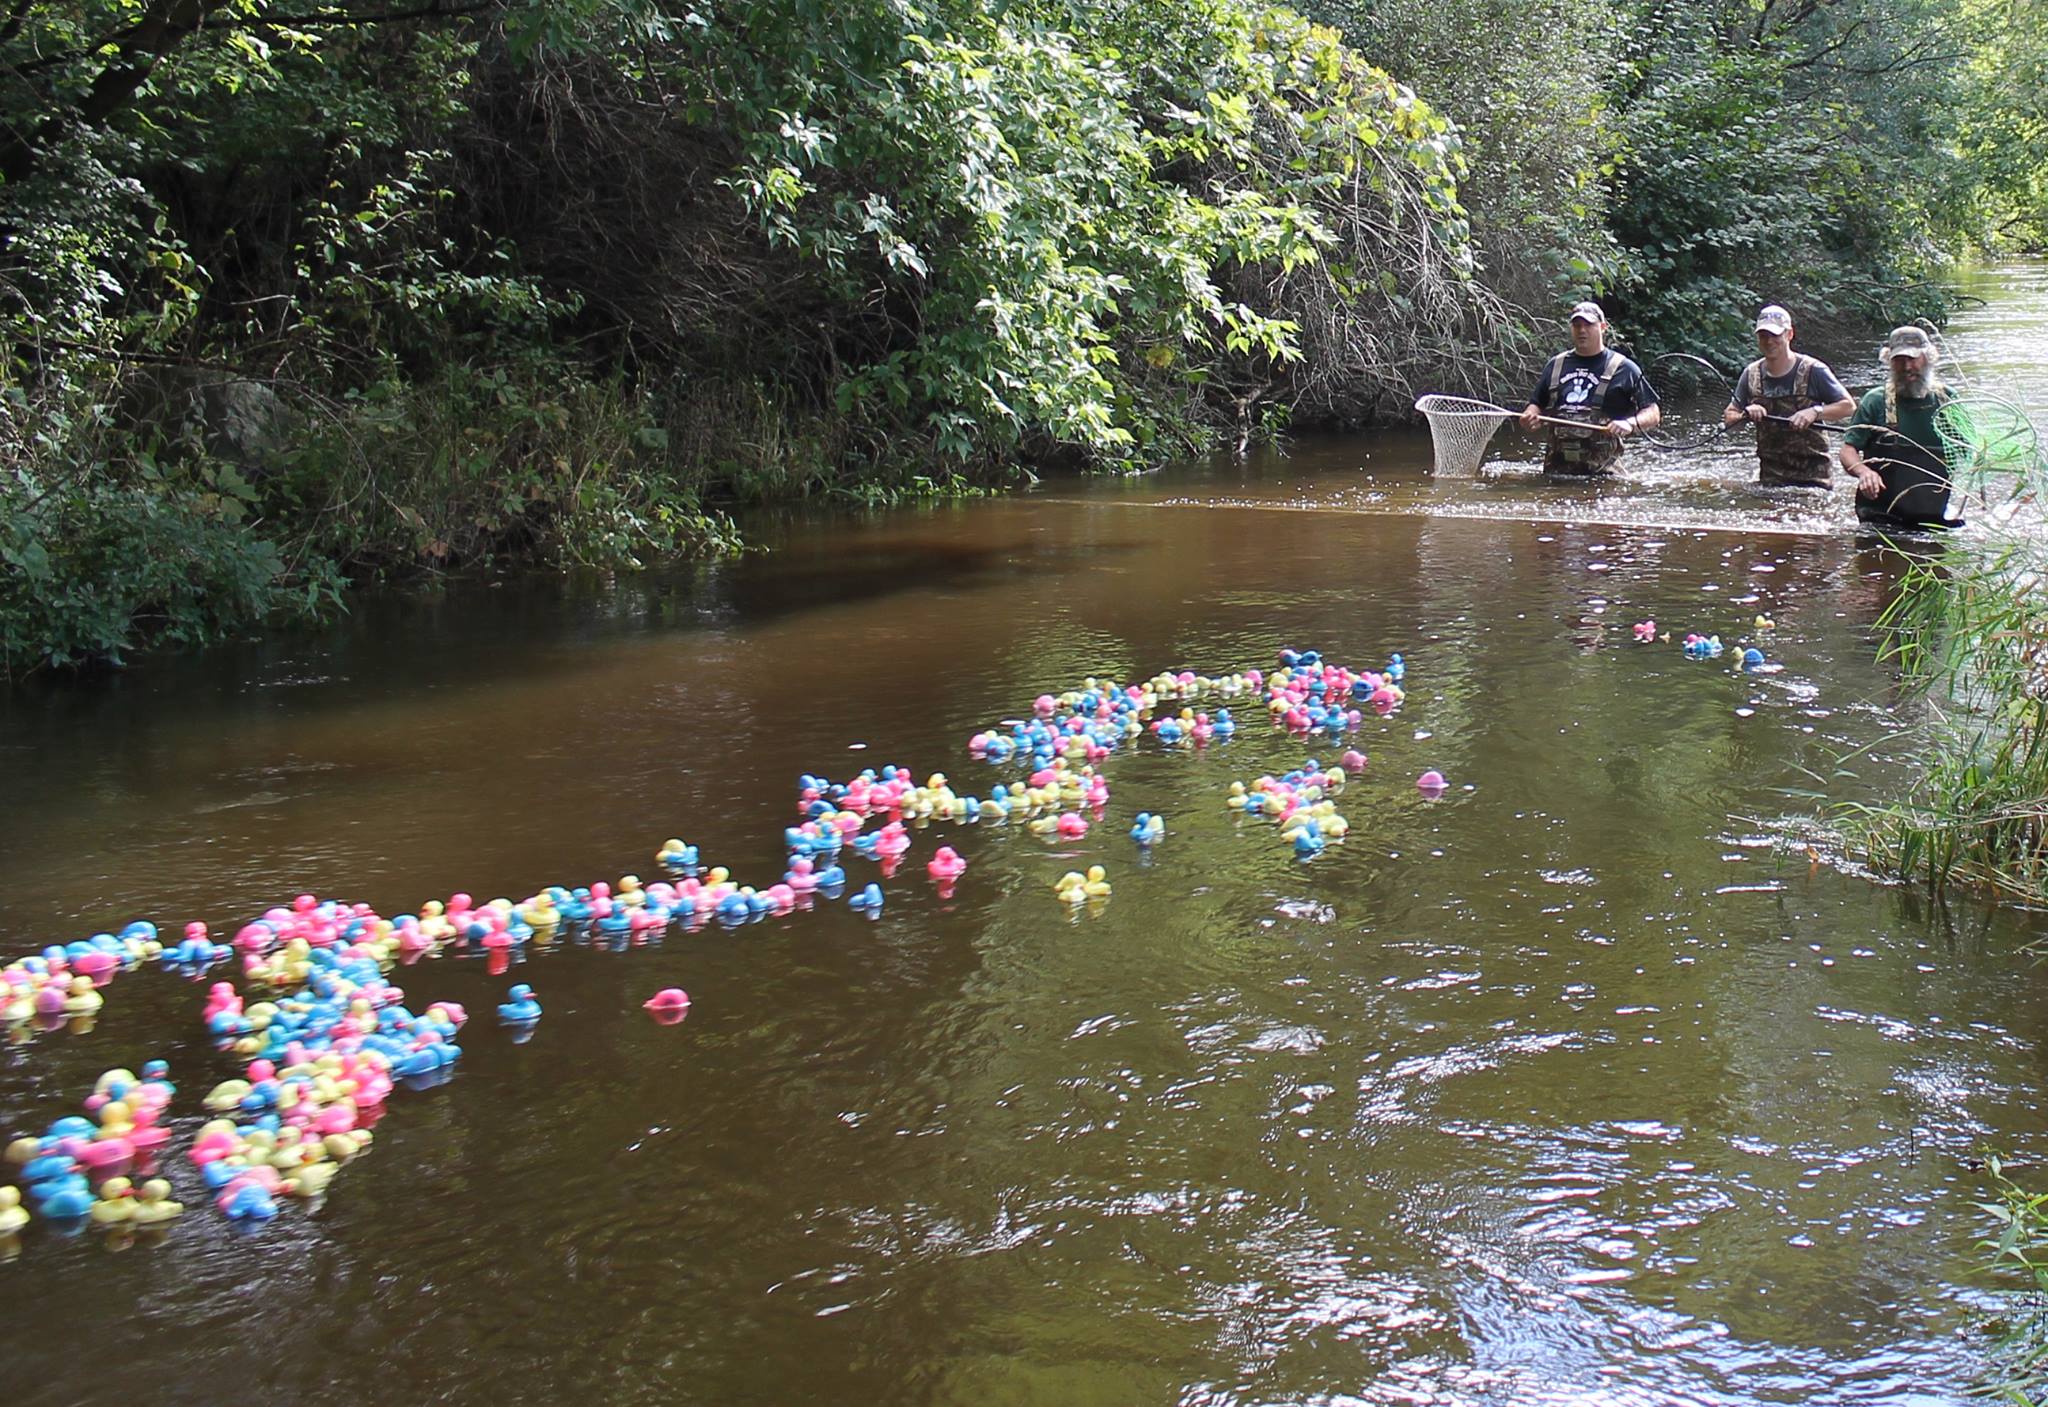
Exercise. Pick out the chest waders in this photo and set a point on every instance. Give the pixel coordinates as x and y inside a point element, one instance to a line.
<point>1915,476</point>
<point>1786,456</point>
<point>1588,451</point>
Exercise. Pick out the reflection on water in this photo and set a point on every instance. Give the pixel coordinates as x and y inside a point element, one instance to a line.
<point>1571,1086</point>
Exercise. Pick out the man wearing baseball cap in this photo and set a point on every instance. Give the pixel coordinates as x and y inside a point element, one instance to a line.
<point>1598,388</point>
<point>1894,448</point>
<point>1785,394</point>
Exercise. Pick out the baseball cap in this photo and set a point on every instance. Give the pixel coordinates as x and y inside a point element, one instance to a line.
<point>1588,312</point>
<point>1774,319</point>
<point>1908,341</point>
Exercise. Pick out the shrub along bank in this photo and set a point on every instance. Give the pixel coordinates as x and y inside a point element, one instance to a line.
<point>295,292</point>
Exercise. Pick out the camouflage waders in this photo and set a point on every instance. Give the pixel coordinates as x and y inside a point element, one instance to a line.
<point>1786,456</point>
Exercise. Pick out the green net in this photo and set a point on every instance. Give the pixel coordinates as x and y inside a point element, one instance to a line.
<point>1989,442</point>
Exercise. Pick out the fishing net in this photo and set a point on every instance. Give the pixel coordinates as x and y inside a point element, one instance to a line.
<point>1459,429</point>
<point>1988,441</point>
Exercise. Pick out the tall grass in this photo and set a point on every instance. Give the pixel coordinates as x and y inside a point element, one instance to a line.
<point>1970,633</point>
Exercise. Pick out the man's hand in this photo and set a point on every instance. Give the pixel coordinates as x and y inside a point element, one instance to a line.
<point>1804,419</point>
<point>1869,482</point>
<point>1529,417</point>
<point>1754,412</point>
<point>1621,429</point>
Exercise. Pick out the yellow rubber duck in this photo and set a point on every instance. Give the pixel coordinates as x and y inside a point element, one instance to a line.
<point>258,1146</point>
<point>1072,887</point>
<point>13,1215</point>
<point>311,1180</point>
<point>153,1203</point>
<point>116,1119</point>
<point>228,1094</point>
<point>434,922</point>
<point>290,1155</point>
<point>1043,825</point>
<point>1096,886</point>
<point>1238,798</point>
<point>1765,623</point>
<point>116,1203</point>
<point>83,999</point>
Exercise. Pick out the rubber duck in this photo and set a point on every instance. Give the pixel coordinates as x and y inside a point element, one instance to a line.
<point>68,1202</point>
<point>667,999</point>
<point>1645,631</point>
<point>869,899</point>
<point>1096,885</point>
<point>1071,887</point>
<point>116,1202</point>
<point>153,1204</point>
<point>249,1202</point>
<point>1148,829</point>
<point>519,1008</point>
<point>946,864</point>
<point>1432,780</point>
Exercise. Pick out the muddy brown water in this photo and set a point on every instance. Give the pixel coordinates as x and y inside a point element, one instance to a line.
<point>1568,1087</point>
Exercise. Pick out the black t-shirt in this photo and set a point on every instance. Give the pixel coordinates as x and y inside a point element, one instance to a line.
<point>1578,378</point>
<point>1823,387</point>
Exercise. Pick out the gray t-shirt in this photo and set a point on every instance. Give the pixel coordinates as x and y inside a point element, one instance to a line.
<point>1822,385</point>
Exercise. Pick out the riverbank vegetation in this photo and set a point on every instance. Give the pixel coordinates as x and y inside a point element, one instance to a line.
<point>2019,1249</point>
<point>1970,634</point>
<point>294,293</point>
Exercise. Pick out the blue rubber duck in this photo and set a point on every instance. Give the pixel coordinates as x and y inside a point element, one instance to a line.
<point>519,1007</point>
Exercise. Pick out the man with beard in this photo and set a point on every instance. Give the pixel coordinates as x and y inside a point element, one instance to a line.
<point>1893,449</point>
<point>1786,394</point>
<point>1599,389</point>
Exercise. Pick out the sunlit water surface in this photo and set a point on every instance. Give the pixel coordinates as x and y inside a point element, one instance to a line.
<point>1580,1084</point>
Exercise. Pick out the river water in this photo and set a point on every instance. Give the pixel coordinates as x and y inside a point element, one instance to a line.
<point>1569,1086</point>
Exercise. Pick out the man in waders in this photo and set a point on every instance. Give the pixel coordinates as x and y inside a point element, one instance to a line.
<point>1597,387</point>
<point>1785,394</point>
<point>1893,449</point>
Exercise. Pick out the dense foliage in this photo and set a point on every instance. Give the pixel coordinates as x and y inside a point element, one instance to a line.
<point>292,291</point>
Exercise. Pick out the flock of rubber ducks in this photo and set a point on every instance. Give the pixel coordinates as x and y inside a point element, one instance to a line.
<point>328,1036</point>
<point>1707,647</point>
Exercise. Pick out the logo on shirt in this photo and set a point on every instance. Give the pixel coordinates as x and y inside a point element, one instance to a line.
<point>1575,387</point>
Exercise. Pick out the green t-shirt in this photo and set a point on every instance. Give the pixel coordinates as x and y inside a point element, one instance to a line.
<point>1916,420</point>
